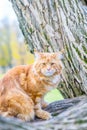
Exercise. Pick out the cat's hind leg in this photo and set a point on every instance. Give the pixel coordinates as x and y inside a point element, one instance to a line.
<point>18,105</point>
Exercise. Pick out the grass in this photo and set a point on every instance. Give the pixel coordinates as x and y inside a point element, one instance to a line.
<point>54,95</point>
<point>1,75</point>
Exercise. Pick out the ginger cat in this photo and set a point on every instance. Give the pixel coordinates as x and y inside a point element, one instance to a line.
<point>23,88</point>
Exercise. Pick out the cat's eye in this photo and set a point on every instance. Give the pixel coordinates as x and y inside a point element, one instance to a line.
<point>52,63</point>
<point>44,63</point>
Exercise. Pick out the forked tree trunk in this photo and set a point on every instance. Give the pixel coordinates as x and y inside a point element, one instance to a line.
<point>52,25</point>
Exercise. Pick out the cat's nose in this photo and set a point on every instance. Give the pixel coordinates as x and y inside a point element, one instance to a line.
<point>48,69</point>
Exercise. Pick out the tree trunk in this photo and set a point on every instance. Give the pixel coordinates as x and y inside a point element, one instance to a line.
<point>50,25</point>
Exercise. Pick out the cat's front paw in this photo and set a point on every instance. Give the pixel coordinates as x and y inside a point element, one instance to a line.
<point>43,114</point>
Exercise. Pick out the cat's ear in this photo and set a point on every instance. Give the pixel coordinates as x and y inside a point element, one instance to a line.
<point>60,54</point>
<point>37,55</point>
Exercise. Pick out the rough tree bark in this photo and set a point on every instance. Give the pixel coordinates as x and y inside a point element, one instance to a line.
<point>50,25</point>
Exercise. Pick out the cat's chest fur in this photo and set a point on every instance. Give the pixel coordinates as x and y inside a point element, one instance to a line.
<point>42,86</point>
<point>45,85</point>
<point>52,83</point>
<point>55,79</point>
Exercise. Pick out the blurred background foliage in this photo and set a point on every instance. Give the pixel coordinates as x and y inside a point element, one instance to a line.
<point>13,50</point>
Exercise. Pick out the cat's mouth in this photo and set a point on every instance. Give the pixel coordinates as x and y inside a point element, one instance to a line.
<point>48,73</point>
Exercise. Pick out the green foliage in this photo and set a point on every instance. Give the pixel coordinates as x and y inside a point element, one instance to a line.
<point>4,55</point>
<point>14,52</point>
<point>1,75</point>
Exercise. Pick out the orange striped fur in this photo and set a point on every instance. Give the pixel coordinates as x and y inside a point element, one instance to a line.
<point>22,89</point>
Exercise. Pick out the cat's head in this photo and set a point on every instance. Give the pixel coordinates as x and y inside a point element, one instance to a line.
<point>48,64</point>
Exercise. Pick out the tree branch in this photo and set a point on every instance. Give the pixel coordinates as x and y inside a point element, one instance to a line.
<point>69,112</point>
